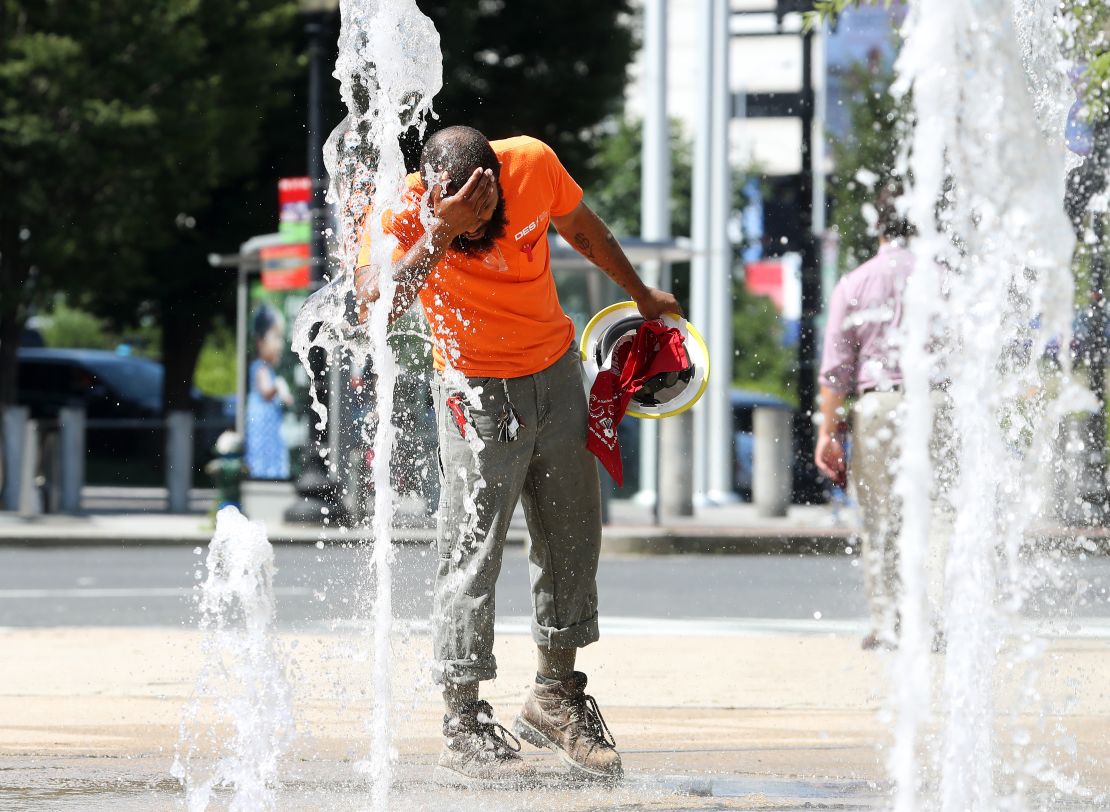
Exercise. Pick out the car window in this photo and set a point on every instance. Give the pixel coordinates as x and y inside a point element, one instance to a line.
<point>55,378</point>
<point>134,380</point>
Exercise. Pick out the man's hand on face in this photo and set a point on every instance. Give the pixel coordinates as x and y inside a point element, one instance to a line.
<point>830,460</point>
<point>654,303</point>
<point>468,210</point>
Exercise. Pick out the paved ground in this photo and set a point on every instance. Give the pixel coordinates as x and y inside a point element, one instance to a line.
<point>723,689</point>
<point>746,719</point>
<point>731,681</point>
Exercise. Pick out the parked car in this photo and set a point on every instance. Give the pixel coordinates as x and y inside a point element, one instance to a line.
<point>806,480</point>
<point>115,387</point>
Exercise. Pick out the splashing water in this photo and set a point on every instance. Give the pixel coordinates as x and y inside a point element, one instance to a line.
<point>992,290</point>
<point>389,69</point>
<point>244,672</point>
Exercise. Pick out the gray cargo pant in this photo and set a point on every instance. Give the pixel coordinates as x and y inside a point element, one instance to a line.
<point>548,467</point>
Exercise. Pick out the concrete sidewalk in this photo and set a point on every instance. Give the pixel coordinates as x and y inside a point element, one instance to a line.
<point>752,719</point>
<point>732,528</point>
<point>722,529</point>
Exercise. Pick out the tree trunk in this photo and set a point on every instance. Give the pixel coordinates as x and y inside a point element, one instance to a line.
<point>185,325</point>
<point>13,283</point>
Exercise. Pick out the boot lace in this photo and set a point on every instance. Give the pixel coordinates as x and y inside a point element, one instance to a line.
<point>588,714</point>
<point>493,732</point>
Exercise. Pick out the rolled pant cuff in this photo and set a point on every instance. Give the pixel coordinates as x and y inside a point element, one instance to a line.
<point>576,636</point>
<point>461,672</point>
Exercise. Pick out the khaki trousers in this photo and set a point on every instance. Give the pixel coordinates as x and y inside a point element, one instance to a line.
<point>876,450</point>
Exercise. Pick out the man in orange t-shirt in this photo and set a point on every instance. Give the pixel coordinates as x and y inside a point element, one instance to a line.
<point>511,409</point>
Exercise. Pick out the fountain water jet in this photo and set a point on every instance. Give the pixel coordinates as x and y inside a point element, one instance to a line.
<point>994,287</point>
<point>389,68</point>
<point>244,671</point>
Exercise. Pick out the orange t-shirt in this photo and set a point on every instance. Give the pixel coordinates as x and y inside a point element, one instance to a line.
<point>497,315</point>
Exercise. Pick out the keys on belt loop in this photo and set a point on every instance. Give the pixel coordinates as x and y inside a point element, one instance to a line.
<point>509,423</point>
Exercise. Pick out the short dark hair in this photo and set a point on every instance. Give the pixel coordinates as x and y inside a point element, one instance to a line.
<point>892,224</point>
<point>458,151</point>
<point>264,318</point>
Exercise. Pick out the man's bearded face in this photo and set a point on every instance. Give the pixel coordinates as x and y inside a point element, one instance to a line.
<point>476,243</point>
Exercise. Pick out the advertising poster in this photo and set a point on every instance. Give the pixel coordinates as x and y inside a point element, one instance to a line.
<point>276,424</point>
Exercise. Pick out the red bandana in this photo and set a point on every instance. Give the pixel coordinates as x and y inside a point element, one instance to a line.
<point>656,349</point>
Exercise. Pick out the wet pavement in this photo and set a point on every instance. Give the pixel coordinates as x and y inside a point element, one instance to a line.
<point>74,785</point>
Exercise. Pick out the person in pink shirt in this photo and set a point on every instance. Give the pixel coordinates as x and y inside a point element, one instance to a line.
<point>861,360</point>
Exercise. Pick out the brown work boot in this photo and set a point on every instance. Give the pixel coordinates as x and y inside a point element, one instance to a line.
<point>563,717</point>
<point>477,754</point>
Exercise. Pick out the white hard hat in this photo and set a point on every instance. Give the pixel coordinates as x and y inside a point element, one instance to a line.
<point>664,395</point>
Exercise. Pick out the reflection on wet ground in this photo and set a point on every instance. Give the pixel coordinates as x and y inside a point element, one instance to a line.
<point>138,784</point>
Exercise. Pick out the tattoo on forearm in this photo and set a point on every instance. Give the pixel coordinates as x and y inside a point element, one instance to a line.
<point>585,247</point>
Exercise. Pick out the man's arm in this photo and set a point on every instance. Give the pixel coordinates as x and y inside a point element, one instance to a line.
<point>589,235</point>
<point>464,211</point>
<point>409,274</point>
<point>829,454</point>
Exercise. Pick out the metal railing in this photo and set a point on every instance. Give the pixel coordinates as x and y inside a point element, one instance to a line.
<point>44,462</point>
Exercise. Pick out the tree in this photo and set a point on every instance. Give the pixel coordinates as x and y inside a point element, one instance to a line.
<point>864,160</point>
<point>1087,40</point>
<point>555,69</point>
<point>617,162</point>
<point>118,118</point>
<point>760,360</point>
<point>137,136</point>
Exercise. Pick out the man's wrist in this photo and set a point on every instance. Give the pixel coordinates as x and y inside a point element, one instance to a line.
<point>439,236</point>
<point>833,428</point>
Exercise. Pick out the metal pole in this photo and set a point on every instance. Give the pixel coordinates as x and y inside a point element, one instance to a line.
<point>179,460</point>
<point>719,413</point>
<point>14,420</point>
<point>772,459</point>
<point>30,500</point>
<point>241,364</point>
<point>315,489</point>
<point>71,453</point>
<point>1096,435</point>
<point>655,209</point>
<point>700,214</point>
<point>811,289</point>
<point>817,147</point>
<point>316,28</point>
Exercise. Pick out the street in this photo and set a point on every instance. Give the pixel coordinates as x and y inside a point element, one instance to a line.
<point>154,586</point>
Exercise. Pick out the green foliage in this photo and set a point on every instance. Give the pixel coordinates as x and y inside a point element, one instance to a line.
<point>760,361</point>
<point>1089,42</point>
<point>865,159</point>
<point>215,373</point>
<point>617,163</point>
<point>137,136</point>
<point>555,69</point>
<point>67,326</point>
<point>117,115</point>
<point>828,10</point>
<point>120,120</point>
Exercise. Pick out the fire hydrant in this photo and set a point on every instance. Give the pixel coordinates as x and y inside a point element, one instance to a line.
<point>227,470</point>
